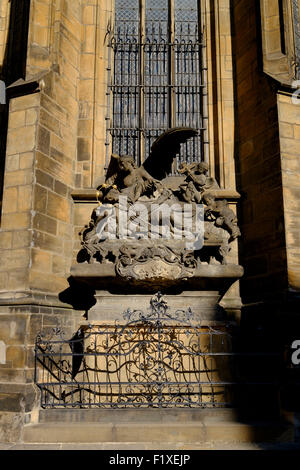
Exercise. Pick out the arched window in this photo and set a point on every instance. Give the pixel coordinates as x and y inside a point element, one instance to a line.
<point>158,75</point>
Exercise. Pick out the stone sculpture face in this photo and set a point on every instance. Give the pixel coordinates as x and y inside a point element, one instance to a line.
<point>127,164</point>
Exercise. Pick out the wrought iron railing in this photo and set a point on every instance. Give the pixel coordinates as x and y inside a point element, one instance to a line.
<point>157,76</point>
<point>155,360</point>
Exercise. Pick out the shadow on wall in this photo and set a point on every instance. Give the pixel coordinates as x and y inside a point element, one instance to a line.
<point>262,329</point>
<point>79,295</point>
<point>258,364</point>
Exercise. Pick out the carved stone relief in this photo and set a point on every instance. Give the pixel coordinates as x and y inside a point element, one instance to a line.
<point>145,191</point>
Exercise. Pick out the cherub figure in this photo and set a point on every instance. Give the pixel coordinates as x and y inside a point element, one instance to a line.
<point>125,178</point>
<point>224,216</point>
<point>197,181</point>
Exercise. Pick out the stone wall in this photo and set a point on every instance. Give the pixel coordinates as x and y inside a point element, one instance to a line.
<point>262,247</point>
<point>36,236</point>
<point>57,144</point>
<point>17,211</point>
<point>278,46</point>
<point>4,21</point>
<point>93,89</point>
<point>19,327</point>
<point>289,126</point>
<point>268,179</point>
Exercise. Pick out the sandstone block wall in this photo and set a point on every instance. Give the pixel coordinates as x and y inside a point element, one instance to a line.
<point>258,164</point>
<point>36,236</point>
<point>289,127</point>
<point>56,144</point>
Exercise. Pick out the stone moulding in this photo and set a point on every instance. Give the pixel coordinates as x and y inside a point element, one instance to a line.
<point>206,277</point>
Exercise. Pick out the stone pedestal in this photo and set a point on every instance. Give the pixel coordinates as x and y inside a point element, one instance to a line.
<point>138,349</point>
<point>113,295</point>
<point>109,307</point>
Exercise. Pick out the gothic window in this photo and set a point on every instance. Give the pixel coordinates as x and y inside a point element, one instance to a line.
<point>157,75</point>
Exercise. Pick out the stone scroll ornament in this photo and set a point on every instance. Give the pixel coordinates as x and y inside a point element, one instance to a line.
<point>137,255</point>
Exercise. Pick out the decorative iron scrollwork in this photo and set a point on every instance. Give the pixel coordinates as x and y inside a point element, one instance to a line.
<point>155,359</point>
<point>158,312</point>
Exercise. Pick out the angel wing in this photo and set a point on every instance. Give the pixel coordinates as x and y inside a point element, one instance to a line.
<point>164,150</point>
<point>112,170</point>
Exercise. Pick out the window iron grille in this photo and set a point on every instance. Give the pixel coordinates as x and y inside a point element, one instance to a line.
<point>296,20</point>
<point>157,76</point>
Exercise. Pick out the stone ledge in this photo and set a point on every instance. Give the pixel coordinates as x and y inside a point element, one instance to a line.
<point>230,431</point>
<point>206,278</point>
<point>32,299</point>
<point>97,270</point>
<point>138,415</point>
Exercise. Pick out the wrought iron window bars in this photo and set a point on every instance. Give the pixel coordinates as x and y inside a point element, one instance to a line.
<point>158,75</point>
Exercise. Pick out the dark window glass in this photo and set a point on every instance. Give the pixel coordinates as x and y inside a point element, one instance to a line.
<point>157,74</point>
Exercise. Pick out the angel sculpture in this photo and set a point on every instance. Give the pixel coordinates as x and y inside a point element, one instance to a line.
<point>146,194</point>
<point>125,178</point>
<point>197,182</point>
<point>222,214</point>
